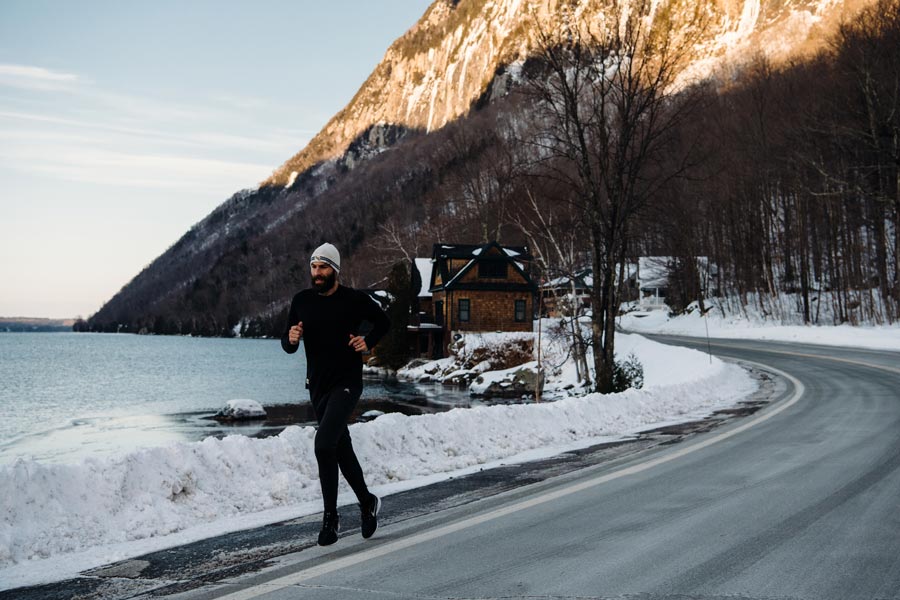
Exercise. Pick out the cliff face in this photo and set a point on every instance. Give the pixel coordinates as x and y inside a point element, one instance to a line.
<point>433,74</point>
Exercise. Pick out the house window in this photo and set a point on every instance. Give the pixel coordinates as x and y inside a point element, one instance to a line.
<point>492,269</point>
<point>464,310</point>
<point>520,311</point>
<point>439,312</point>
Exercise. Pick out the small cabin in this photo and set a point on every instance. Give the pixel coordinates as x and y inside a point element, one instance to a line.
<point>652,281</point>
<point>567,295</point>
<point>484,287</point>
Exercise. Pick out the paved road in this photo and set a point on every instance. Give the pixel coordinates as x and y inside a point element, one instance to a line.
<point>800,501</point>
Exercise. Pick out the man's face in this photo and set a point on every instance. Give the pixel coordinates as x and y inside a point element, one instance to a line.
<point>323,276</point>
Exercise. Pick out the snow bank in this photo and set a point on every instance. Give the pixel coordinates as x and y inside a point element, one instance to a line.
<point>64,508</point>
<point>216,486</point>
<point>738,327</point>
<point>397,447</point>
<point>524,375</point>
<point>241,409</point>
<point>474,353</point>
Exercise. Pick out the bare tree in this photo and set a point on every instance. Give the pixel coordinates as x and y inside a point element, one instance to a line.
<point>875,76</point>
<point>483,179</point>
<point>607,111</point>
<point>556,241</point>
<point>394,242</point>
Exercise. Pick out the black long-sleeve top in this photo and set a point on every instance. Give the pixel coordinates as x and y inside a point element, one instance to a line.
<point>328,323</point>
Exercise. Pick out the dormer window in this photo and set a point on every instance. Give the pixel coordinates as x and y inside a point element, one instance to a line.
<point>492,269</point>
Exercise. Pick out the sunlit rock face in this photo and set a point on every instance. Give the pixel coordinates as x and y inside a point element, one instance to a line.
<point>463,50</point>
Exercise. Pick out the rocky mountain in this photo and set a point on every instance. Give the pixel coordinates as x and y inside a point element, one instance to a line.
<point>461,56</point>
<point>461,50</point>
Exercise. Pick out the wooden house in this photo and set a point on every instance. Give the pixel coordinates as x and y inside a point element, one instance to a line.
<point>652,281</point>
<point>483,287</point>
<point>646,284</point>
<point>567,295</point>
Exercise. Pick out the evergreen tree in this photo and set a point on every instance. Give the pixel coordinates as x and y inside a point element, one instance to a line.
<point>393,350</point>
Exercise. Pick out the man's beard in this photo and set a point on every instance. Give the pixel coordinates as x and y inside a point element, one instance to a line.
<point>323,283</point>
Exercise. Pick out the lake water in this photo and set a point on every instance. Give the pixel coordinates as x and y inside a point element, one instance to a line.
<point>65,397</point>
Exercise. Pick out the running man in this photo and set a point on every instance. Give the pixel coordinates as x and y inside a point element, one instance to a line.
<point>327,318</point>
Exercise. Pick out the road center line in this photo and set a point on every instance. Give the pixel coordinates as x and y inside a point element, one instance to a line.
<point>427,536</point>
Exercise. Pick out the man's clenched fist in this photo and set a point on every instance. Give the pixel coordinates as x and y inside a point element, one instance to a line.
<point>295,333</point>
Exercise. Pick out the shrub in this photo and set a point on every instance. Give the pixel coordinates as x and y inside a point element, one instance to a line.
<point>393,350</point>
<point>628,374</point>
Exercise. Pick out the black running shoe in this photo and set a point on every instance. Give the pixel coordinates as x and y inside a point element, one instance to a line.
<point>331,524</point>
<point>369,514</point>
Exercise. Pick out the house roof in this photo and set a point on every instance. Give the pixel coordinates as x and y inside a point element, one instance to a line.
<point>650,272</point>
<point>583,279</point>
<point>473,250</point>
<point>514,255</point>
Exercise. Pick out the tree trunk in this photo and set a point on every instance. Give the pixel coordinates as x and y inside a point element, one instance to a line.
<point>601,298</point>
<point>803,255</point>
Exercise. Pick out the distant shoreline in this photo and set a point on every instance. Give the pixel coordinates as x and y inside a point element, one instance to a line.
<point>27,324</point>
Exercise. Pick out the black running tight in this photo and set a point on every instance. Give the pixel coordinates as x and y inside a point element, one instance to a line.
<point>333,446</point>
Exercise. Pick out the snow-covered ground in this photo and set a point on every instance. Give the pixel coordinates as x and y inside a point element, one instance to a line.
<point>882,337</point>
<point>58,520</point>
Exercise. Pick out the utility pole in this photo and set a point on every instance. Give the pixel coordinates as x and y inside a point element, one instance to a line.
<point>539,386</point>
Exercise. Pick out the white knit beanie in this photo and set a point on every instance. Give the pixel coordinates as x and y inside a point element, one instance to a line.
<point>328,254</point>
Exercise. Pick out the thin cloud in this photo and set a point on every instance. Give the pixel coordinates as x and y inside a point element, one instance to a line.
<point>275,142</point>
<point>97,166</point>
<point>35,78</point>
<point>242,103</point>
<point>140,108</point>
<point>105,137</point>
<point>268,143</point>
<point>28,72</point>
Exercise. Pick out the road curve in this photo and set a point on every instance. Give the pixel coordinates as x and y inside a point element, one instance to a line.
<point>800,501</point>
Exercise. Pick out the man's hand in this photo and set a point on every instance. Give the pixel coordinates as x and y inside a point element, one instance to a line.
<point>295,333</point>
<point>358,343</point>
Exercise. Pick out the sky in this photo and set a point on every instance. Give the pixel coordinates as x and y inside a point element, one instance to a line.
<point>122,124</point>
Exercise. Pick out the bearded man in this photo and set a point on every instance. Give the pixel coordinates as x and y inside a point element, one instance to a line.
<point>328,318</point>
